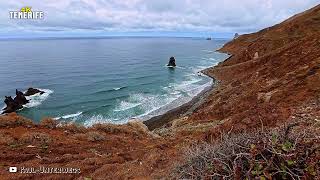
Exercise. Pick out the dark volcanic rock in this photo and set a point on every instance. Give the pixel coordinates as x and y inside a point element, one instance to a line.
<point>236,35</point>
<point>172,62</point>
<point>12,105</point>
<point>32,91</point>
<point>18,101</point>
<point>20,98</point>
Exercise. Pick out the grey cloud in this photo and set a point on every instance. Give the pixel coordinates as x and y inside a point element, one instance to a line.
<point>156,15</point>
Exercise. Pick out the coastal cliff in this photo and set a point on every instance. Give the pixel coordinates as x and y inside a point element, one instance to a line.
<point>269,74</point>
<point>272,78</point>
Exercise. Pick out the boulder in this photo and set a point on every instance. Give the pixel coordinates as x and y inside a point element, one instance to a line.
<point>32,91</point>
<point>172,62</point>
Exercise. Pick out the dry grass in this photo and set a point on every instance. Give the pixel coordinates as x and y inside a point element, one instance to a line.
<point>13,120</point>
<point>36,138</point>
<point>49,123</point>
<point>6,139</point>
<point>95,136</point>
<point>72,128</point>
<point>108,128</point>
<point>141,128</point>
<point>283,153</point>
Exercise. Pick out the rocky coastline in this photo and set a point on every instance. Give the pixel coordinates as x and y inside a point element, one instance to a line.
<point>16,103</point>
<point>269,87</point>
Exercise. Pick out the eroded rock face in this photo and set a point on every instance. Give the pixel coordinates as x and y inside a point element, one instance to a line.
<point>172,62</point>
<point>33,91</point>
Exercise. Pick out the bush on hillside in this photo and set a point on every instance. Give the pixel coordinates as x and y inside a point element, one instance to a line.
<point>283,153</point>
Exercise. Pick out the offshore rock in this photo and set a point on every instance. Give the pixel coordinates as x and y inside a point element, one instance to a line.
<point>172,62</point>
<point>20,98</point>
<point>12,105</point>
<point>32,91</point>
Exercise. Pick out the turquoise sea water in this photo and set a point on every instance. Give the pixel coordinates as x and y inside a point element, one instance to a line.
<point>105,79</point>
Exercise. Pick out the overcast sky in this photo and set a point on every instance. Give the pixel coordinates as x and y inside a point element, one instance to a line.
<point>147,17</point>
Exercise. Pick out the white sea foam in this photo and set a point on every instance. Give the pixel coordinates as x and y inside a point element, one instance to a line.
<point>155,109</point>
<point>69,116</point>
<point>1,110</point>
<point>191,82</point>
<point>174,97</point>
<point>37,99</point>
<point>154,104</point>
<point>125,105</point>
<point>99,119</point>
<point>184,85</point>
<point>198,89</point>
<point>118,88</point>
<point>208,51</point>
<point>178,67</point>
<point>95,120</point>
<point>199,68</point>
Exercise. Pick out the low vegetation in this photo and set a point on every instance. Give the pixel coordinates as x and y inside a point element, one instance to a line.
<point>95,136</point>
<point>292,152</point>
<point>13,120</point>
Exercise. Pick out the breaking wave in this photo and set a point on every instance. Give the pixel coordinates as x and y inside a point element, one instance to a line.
<point>124,105</point>
<point>147,105</point>
<point>69,116</point>
<point>99,119</point>
<point>37,99</point>
<point>118,88</point>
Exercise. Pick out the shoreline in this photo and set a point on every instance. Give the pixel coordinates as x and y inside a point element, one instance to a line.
<point>184,109</point>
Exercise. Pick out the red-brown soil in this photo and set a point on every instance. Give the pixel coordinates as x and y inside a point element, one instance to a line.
<point>254,92</point>
<point>265,90</point>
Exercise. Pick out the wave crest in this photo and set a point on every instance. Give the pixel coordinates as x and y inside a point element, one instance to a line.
<point>37,99</point>
<point>68,116</point>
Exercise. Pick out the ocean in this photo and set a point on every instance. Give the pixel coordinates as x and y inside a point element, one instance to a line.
<point>101,80</point>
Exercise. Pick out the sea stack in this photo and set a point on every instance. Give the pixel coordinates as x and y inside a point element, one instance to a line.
<point>16,103</point>
<point>236,35</point>
<point>20,98</point>
<point>172,62</point>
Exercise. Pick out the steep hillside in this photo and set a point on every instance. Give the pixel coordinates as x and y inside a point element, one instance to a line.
<point>269,74</point>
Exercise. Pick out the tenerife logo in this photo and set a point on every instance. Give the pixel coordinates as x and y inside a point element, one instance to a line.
<point>26,13</point>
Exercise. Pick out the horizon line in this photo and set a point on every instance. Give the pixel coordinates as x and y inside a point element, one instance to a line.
<point>104,37</point>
